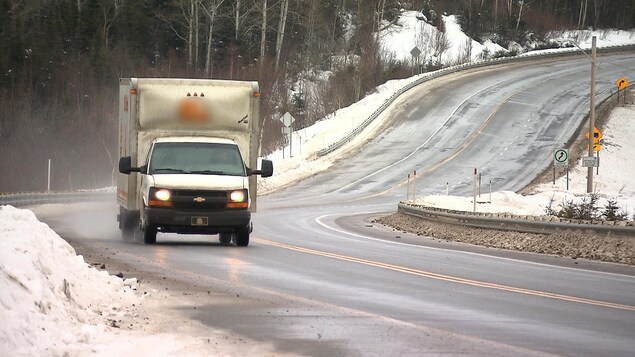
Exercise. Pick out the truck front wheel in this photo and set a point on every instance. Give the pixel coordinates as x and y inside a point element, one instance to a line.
<point>242,236</point>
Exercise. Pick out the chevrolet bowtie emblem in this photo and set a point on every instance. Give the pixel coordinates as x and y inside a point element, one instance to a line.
<point>199,199</point>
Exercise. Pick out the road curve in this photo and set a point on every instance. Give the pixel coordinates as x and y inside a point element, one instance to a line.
<point>320,279</point>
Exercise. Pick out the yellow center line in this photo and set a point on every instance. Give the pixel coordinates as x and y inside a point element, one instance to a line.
<point>448,278</point>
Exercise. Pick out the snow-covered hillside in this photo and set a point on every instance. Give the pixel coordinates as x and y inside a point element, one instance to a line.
<point>449,48</point>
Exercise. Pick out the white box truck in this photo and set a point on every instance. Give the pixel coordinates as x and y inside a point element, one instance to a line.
<point>188,152</point>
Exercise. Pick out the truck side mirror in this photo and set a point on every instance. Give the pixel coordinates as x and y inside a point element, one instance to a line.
<point>266,169</point>
<point>125,166</point>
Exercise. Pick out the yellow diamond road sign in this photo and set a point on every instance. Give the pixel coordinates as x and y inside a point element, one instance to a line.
<point>596,147</point>
<point>621,83</point>
<point>597,135</point>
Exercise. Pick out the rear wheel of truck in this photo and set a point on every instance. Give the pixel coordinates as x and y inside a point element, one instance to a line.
<point>150,234</point>
<point>225,238</point>
<point>128,222</point>
<point>242,236</point>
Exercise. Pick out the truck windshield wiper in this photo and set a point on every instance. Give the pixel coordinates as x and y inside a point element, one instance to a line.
<point>169,169</point>
<point>208,172</point>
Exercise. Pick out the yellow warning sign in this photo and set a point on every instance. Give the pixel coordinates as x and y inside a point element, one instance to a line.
<point>621,83</point>
<point>597,135</point>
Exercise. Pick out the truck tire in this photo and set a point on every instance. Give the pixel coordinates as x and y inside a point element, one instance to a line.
<point>242,236</point>
<point>225,238</point>
<point>150,235</point>
<point>128,222</point>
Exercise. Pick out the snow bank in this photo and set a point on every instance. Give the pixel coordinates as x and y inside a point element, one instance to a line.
<point>499,202</point>
<point>50,299</point>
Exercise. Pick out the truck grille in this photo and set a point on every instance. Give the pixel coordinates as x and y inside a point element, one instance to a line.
<point>199,200</point>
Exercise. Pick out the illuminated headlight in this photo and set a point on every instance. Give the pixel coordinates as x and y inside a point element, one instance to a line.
<point>238,199</point>
<point>162,195</point>
<point>237,196</point>
<point>159,197</point>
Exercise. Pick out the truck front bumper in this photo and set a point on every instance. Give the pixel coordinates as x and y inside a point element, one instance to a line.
<point>178,221</point>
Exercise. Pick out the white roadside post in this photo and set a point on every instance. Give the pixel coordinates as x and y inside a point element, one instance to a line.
<point>414,186</point>
<point>475,182</point>
<point>48,178</point>
<point>408,188</point>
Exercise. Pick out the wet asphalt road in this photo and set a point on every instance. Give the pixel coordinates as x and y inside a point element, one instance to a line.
<point>319,279</point>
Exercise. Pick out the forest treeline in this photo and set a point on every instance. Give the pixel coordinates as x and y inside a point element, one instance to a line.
<point>60,61</point>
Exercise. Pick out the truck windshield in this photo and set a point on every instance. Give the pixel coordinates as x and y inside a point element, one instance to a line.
<point>196,158</point>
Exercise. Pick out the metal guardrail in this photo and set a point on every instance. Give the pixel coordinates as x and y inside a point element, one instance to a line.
<point>454,69</point>
<point>34,198</point>
<point>509,222</point>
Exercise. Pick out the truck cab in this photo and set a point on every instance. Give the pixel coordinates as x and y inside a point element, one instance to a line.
<point>196,185</point>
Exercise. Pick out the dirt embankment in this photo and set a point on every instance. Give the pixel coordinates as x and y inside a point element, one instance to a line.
<point>576,245</point>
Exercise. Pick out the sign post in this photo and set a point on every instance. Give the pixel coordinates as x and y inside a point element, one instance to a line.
<point>287,120</point>
<point>597,135</point>
<point>415,52</point>
<point>621,84</point>
<point>561,159</point>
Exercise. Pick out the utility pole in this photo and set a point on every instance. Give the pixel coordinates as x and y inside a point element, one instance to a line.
<point>589,183</point>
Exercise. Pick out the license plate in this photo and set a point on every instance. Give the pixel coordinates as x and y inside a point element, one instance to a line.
<point>199,221</point>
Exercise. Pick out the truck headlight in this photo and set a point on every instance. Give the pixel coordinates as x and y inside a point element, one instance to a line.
<point>160,197</point>
<point>238,199</point>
